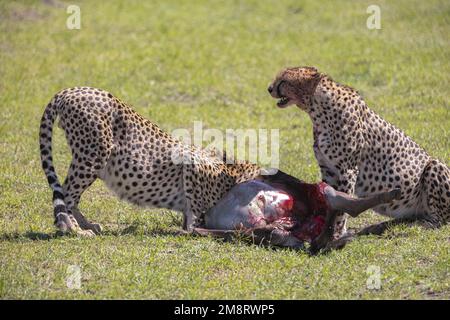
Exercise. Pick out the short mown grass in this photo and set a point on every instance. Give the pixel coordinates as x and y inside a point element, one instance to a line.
<point>210,61</point>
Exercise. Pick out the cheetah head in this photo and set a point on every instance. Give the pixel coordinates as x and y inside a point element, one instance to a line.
<point>295,86</point>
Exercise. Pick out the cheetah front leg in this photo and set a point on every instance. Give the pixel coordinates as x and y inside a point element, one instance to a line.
<point>192,193</point>
<point>341,178</point>
<point>188,220</point>
<point>190,214</point>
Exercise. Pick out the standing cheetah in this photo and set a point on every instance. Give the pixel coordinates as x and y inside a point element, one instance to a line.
<point>134,157</point>
<point>359,152</point>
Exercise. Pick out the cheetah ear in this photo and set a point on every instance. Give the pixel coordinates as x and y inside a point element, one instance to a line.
<point>312,82</point>
<point>316,74</point>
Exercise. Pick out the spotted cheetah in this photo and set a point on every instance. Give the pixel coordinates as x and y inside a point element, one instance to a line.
<point>359,152</point>
<point>135,158</point>
<point>148,167</point>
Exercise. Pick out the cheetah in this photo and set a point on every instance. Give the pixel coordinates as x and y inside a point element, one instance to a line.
<point>146,166</point>
<point>360,153</point>
<point>137,160</point>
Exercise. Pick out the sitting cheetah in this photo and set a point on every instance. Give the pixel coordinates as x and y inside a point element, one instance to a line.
<point>146,166</point>
<point>359,152</point>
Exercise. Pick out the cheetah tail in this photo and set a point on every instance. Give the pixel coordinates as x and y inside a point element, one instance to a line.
<point>45,141</point>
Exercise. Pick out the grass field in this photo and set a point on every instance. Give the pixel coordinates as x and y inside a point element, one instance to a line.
<point>182,61</point>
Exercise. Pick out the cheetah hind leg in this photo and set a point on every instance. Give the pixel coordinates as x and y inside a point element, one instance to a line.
<point>435,183</point>
<point>75,221</point>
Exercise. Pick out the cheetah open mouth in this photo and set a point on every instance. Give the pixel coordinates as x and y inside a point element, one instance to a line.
<point>283,101</point>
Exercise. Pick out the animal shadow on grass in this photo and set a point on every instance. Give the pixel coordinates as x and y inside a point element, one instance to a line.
<point>30,235</point>
<point>130,230</point>
<point>138,230</point>
<point>135,229</point>
<point>174,230</point>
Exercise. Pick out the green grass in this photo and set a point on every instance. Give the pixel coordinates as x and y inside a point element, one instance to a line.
<point>182,61</point>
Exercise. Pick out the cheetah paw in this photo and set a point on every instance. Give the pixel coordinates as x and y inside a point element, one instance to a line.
<point>85,233</point>
<point>68,224</point>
